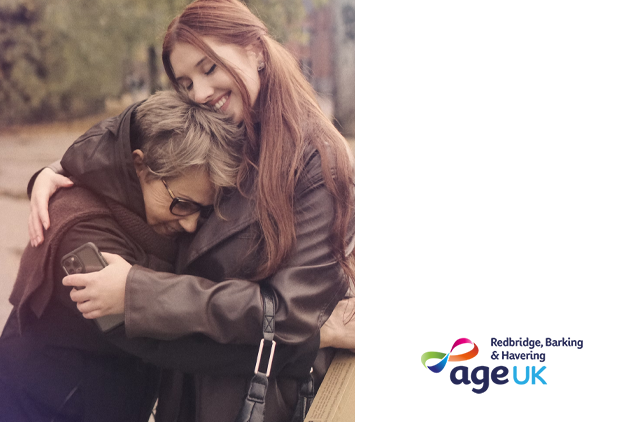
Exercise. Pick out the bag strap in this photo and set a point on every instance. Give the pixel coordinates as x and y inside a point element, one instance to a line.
<point>253,407</point>
<point>306,398</point>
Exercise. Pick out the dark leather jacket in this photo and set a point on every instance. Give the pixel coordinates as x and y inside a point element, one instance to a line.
<point>213,297</point>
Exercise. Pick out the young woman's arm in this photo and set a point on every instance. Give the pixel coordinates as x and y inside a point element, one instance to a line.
<point>166,306</point>
<point>334,334</point>
<point>189,353</point>
<point>41,187</point>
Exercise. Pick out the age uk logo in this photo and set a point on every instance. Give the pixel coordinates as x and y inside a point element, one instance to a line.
<point>479,375</point>
<point>447,356</point>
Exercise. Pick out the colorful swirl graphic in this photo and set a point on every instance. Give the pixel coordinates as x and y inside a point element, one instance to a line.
<point>454,358</point>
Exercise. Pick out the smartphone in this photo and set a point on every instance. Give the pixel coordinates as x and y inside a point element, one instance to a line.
<point>87,259</point>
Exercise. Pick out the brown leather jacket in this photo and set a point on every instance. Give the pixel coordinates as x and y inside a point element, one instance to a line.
<point>215,299</point>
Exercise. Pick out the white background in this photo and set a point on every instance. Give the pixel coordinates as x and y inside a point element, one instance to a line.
<point>489,204</point>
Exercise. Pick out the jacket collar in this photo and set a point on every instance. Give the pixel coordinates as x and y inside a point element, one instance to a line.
<point>239,212</point>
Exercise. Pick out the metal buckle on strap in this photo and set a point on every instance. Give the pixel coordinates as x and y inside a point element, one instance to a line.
<point>270,359</point>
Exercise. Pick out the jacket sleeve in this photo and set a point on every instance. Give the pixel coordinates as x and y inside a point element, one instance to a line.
<point>166,306</point>
<point>188,353</point>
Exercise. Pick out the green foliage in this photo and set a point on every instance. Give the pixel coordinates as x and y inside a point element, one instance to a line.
<point>55,60</point>
<point>22,66</point>
<point>279,16</point>
<point>63,58</point>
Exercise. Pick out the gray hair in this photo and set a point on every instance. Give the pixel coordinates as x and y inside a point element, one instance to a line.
<point>177,134</point>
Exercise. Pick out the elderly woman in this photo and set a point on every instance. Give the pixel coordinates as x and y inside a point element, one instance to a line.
<point>56,365</point>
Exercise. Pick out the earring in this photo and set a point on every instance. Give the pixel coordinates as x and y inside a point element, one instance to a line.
<point>261,66</point>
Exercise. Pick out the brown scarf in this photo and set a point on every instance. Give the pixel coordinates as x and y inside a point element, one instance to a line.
<point>34,284</point>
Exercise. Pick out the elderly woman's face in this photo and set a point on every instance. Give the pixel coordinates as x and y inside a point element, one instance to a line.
<point>206,83</point>
<point>193,186</point>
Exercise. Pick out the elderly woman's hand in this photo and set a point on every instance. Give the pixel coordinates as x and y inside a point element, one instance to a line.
<point>46,183</point>
<point>103,292</point>
<point>339,330</point>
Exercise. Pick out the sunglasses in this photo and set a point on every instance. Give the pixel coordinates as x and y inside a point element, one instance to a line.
<point>184,207</point>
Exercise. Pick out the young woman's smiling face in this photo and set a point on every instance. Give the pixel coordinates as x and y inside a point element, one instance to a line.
<point>206,83</point>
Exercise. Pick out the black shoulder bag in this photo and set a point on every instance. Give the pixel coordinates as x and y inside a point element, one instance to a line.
<point>253,407</point>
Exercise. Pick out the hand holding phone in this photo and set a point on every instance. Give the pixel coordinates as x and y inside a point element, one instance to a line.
<point>86,259</point>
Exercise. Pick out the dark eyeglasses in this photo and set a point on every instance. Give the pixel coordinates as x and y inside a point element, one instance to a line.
<point>184,207</point>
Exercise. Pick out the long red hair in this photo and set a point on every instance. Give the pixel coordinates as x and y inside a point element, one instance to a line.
<point>289,118</point>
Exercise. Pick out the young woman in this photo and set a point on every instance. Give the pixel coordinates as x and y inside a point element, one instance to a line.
<point>288,225</point>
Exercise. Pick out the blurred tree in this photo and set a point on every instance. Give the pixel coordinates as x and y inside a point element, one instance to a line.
<point>283,18</point>
<point>63,58</point>
<point>22,65</point>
